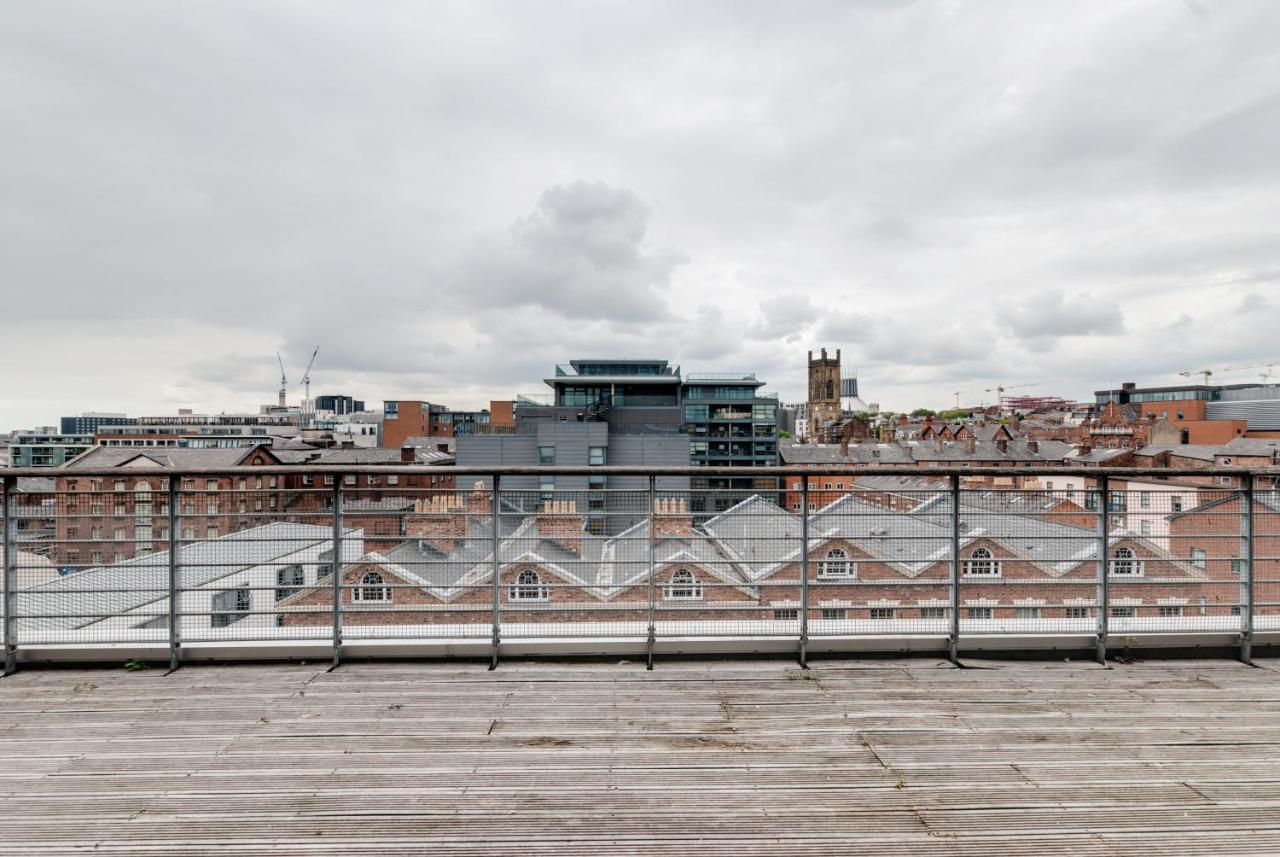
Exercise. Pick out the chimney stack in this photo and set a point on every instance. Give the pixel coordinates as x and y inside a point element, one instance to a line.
<point>439,520</point>
<point>671,518</point>
<point>408,455</point>
<point>970,444</point>
<point>559,520</point>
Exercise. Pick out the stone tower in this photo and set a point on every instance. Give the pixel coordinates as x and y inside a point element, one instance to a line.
<point>824,390</point>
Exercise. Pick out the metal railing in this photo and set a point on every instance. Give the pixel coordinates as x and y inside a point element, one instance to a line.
<point>274,558</point>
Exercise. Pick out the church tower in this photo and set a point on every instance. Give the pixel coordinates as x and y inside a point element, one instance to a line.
<point>824,390</point>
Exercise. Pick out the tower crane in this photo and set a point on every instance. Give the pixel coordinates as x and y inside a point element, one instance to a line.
<point>1205,373</point>
<point>1000,388</point>
<point>306,376</point>
<point>284,382</point>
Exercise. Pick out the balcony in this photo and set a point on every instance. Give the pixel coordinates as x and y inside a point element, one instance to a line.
<point>940,568</point>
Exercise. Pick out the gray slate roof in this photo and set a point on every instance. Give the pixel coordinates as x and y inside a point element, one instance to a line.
<point>70,602</point>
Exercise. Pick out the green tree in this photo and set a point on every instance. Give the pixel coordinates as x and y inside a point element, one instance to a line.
<point>923,412</point>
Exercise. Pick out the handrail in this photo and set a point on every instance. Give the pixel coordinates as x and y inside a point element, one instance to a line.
<point>616,470</point>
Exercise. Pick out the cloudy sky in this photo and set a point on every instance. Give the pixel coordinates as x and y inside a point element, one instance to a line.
<point>448,198</point>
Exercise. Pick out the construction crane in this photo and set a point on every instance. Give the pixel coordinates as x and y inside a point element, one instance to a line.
<point>284,382</point>
<point>957,393</point>
<point>1205,373</point>
<point>1000,388</point>
<point>306,376</point>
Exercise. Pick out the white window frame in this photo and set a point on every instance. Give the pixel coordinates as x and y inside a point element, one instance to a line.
<point>982,563</point>
<point>836,565</point>
<point>687,589</point>
<point>1125,563</point>
<point>528,587</point>
<point>372,589</point>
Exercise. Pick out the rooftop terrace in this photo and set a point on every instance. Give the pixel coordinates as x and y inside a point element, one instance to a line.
<point>719,757</point>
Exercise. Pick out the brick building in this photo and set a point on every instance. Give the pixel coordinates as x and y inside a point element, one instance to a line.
<point>867,563</point>
<point>113,519</point>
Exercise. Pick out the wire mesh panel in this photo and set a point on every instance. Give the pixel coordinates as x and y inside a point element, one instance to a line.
<point>424,566</point>
<point>1266,555</point>
<point>1028,559</point>
<point>727,563</point>
<point>254,555</point>
<point>95,569</point>
<point>1195,578</point>
<point>878,556</point>
<point>574,560</point>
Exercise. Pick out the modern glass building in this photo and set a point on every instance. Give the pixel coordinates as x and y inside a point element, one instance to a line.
<point>730,423</point>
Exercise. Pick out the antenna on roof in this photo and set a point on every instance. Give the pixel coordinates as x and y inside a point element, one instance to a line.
<point>284,382</point>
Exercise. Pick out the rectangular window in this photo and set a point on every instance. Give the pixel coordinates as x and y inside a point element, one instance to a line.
<point>547,487</point>
<point>595,455</point>
<point>979,612</point>
<point>1079,613</point>
<point>348,480</point>
<point>1175,503</point>
<point>306,480</point>
<point>211,532</point>
<point>393,479</point>
<point>882,612</point>
<point>1144,527</point>
<point>933,612</point>
<point>1237,566</point>
<point>1026,612</point>
<point>783,615</point>
<point>1124,612</point>
<point>119,534</point>
<point>1144,499</point>
<point>1168,611</point>
<point>211,485</point>
<point>834,613</point>
<point>695,413</point>
<point>328,480</point>
<point>1198,557</point>
<point>120,485</point>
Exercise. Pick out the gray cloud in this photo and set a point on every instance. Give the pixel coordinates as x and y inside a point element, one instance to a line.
<point>581,254</point>
<point>451,197</point>
<point>1050,314</point>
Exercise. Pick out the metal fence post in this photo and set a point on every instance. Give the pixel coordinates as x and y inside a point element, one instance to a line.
<point>10,582</point>
<point>953,635</point>
<point>653,588</point>
<point>1104,589</point>
<point>804,571</point>
<point>175,599</point>
<point>337,569</point>
<point>1246,574</point>
<point>495,573</point>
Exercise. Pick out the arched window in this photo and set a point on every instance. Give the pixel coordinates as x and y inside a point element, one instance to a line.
<point>372,588</point>
<point>528,587</point>
<point>981,563</point>
<point>1123,562</point>
<point>684,586</point>
<point>836,564</point>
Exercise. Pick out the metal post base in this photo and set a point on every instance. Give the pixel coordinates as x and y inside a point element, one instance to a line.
<point>493,655</point>
<point>1246,649</point>
<point>953,651</point>
<point>1101,648</point>
<point>175,659</point>
<point>10,661</point>
<point>804,653</point>
<point>648,656</point>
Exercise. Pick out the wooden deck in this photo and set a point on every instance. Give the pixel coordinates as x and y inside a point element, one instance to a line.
<point>714,757</point>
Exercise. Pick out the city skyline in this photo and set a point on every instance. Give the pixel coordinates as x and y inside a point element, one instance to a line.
<point>448,199</point>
